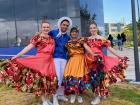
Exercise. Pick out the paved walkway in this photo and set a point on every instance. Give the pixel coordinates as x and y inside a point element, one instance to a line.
<point>129,52</point>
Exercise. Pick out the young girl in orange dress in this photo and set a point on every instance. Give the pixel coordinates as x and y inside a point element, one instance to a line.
<point>104,70</point>
<point>34,74</point>
<point>76,68</point>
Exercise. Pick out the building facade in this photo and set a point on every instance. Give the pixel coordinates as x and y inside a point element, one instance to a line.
<point>20,19</point>
<point>113,28</point>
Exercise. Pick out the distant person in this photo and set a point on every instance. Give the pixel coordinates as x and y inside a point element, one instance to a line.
<point>120,47</point>
<point>110,37</point>
<point>123,36</point>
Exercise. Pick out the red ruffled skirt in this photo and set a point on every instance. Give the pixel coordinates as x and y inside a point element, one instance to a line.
<point>104,71</point>
<point>35,74</point>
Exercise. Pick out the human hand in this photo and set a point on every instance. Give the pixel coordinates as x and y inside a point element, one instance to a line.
<point>14,57</point>
<point>120,57</point>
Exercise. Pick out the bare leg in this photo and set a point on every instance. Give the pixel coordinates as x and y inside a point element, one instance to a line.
<point>72,98</point>
<point>45,100</point>
<point>43,97</point>
<point>55,100</point>
<point>80,99</point>
<point>96,100</point>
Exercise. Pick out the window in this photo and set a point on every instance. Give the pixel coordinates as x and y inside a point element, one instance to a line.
<point>7,34</point>
<point>26,29</point>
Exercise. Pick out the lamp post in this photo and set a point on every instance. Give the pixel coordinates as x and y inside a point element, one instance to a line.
<point>37,14</point>
<point>15,20</point>
<point>7,32</point>
<point>138,9</point>
<point>136,55</point>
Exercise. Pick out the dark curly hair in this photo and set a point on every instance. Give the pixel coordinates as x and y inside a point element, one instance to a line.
<point>74,29</point>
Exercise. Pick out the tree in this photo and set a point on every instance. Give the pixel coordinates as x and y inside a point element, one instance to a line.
<point>85,13</point>
<point>138,30</point>
<point>128,31</point>
<point>86,19</point>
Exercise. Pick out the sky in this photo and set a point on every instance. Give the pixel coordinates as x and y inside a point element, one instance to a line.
<point>118,11</point>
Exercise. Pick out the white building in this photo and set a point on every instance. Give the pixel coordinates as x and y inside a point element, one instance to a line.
<point>113,28</point>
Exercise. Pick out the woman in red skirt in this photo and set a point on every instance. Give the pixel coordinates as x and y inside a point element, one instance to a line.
<point>104,70</point>
<point>34,74</point>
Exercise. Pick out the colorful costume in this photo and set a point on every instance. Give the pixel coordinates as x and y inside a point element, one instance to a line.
<point>34,74</point>
<point>104,70</point>
<point>76,68</point>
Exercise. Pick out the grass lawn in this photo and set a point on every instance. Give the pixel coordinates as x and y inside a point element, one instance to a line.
<point>122,94</point>
<point>133,47</point>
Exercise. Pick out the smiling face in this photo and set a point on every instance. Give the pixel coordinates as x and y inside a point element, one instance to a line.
<point>74,33</point>
<point>64,25</point>
<point>93,29</point>
<point>45,28</point>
